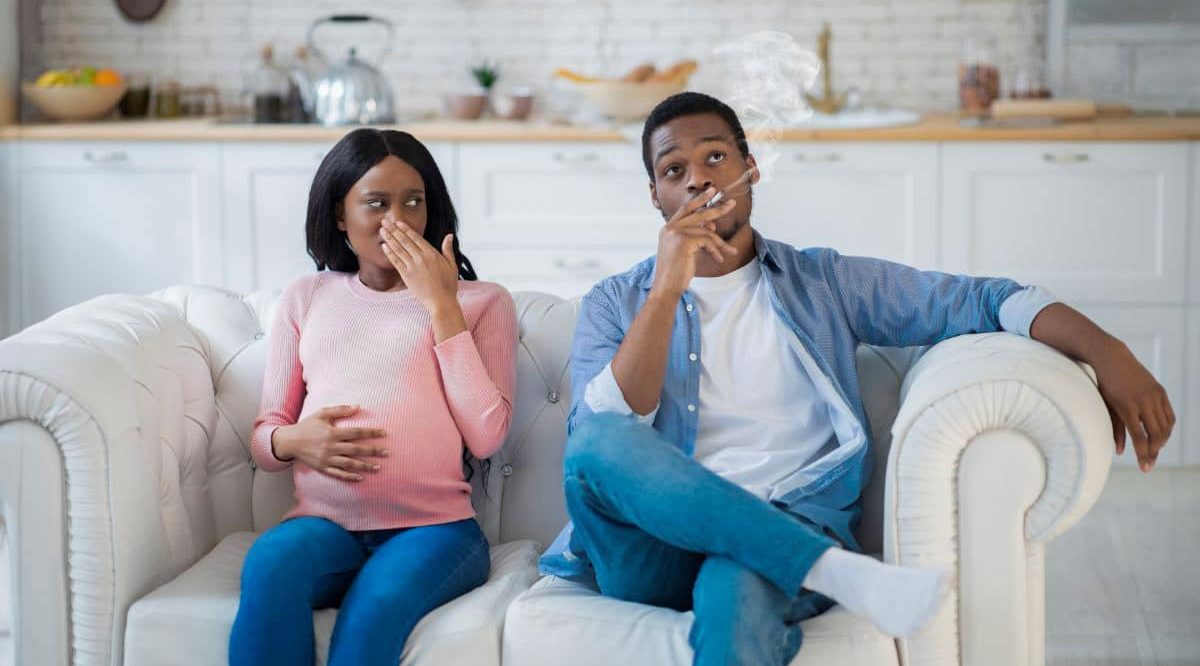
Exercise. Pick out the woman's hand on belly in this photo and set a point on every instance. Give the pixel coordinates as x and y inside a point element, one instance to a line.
<point>317,442</point>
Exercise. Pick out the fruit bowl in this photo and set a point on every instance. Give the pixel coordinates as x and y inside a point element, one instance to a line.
<point>74,102</point>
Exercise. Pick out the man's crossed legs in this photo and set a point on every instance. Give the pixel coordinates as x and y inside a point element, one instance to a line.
<point>661,529</point>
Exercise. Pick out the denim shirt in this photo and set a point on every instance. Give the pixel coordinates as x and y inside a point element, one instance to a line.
<point>831,303</point>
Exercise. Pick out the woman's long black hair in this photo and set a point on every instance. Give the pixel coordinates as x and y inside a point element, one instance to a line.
<point>343,166</point>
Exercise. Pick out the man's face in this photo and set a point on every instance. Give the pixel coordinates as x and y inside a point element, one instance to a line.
<point>692,153</point>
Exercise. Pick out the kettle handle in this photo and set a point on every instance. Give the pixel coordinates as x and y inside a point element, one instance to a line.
<point>351,18</point>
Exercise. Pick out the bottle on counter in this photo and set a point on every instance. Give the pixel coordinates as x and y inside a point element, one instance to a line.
<point>269,88</point>
<point>302,73</point>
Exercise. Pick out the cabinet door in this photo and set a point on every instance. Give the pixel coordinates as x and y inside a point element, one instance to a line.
<point>266,203</point>
<point>552,194</point>
<point>877,200</point>
<point>555,217</point>
<point>1156,337</point>
<point>1094,222</point>
<point>101,217</point>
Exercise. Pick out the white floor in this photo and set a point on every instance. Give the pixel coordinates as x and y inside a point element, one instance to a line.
<point>1122,587</point>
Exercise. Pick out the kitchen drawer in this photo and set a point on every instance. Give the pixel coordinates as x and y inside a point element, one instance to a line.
<point>71,156</point>
<point>1095,222</point>
<point>566,271</point>
<point>861,199</point>
<point>555,194</point>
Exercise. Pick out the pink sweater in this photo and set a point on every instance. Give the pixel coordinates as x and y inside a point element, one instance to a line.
<point>335,341</point>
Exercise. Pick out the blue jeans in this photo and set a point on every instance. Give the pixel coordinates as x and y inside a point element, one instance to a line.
<point>659,528</point>
<point>384,582</point>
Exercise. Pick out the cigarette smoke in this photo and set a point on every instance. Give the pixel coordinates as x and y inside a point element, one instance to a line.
<point>768,76</point>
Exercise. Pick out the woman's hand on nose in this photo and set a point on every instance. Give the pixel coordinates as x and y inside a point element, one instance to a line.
<point>431,276</point>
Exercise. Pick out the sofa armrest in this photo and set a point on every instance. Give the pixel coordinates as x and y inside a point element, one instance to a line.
<point>99,406</point>
<point>1001,443</point>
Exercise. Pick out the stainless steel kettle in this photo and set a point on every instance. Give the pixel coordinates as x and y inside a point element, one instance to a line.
<point>351,92</point>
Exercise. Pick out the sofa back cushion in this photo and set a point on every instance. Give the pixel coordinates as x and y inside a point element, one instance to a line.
<point>521,497</point>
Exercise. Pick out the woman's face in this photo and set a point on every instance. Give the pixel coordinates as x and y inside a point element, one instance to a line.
<point>391,190</point>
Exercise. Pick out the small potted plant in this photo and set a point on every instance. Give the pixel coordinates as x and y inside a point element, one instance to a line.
<point>470,105</point>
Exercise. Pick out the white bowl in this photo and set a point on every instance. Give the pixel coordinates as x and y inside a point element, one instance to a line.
<point>625,100</point>
<point>74,102</point>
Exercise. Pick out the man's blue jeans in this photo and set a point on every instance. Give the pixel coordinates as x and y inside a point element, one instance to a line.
<point>384,582</point>
<point>659,528</point>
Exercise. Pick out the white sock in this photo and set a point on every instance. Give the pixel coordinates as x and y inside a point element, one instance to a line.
<point>899,600</point>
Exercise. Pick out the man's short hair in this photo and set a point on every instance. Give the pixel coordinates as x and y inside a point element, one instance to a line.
<point>689,104</point>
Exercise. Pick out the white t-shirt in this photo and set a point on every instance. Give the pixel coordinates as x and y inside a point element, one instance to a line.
<point>760,416</point>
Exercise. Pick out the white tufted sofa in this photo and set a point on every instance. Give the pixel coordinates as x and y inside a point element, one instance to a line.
<point>130,499</point>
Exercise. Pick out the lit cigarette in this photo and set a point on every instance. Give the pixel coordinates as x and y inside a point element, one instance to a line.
<point>720,196</point>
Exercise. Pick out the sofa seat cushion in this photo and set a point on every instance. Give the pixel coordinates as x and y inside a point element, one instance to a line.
<point>187,621</point>
<point>561,622</point>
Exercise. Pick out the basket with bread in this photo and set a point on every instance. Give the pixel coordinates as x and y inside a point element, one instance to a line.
<point>634,95</point>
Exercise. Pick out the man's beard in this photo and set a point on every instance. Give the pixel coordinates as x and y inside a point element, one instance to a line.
<point>728,234</point>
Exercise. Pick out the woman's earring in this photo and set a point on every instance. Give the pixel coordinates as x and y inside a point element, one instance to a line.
<point>346,238</point>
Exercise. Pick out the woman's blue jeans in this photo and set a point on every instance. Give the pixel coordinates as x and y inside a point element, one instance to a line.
<point>659,528</point>
<point>383,581</point>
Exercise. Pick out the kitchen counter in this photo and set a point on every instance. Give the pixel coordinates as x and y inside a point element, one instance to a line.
<point>931,128</point>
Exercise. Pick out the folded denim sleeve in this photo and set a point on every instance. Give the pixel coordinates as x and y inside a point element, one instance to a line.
<point>603,394</point>
<point>1018,311</point>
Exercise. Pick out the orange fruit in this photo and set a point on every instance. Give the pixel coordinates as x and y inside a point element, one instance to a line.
<point>108,77</point>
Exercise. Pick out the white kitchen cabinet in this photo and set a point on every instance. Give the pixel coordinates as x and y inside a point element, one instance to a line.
<point>877,200</point>
<point>554,217</point>
<point>547,194</point>
<point>266,188</point>
<point>1094,222</point>
<point>1156,336</point>
<point>9,312</point>
<point>100,217</point>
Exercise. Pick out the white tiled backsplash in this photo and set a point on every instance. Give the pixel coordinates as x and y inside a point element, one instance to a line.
<point>901,52</point>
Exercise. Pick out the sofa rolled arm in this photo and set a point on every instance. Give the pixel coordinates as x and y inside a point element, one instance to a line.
<point>1000,444</point>
<point>89,401</point>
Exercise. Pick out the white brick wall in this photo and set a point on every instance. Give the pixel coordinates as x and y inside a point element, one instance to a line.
<point>1150,65</point>
<point>900,52</point>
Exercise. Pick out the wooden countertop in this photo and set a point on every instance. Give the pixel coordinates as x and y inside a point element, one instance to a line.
<point>931,128</point>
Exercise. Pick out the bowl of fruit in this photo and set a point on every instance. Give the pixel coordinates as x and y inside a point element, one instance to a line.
<point>634,95</point>
<point>83,93</point>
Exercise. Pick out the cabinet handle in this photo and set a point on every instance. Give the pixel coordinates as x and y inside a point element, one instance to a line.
<point>581,266</point>
<point>1065,158</point>
<point>824,158</point>
<point>111,157</point>
<point>577,159</point>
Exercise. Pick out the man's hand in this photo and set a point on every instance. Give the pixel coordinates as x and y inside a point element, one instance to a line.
<point>689,231</point>
<point>1135,401</point>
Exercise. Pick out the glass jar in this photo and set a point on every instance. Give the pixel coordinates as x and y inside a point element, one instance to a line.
<point>978,75</point>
